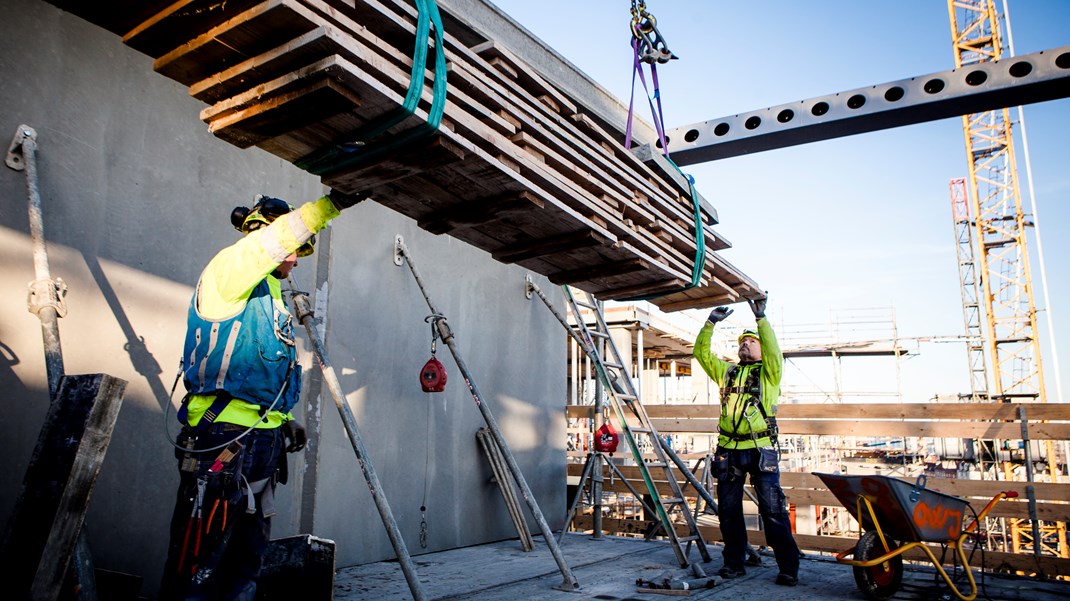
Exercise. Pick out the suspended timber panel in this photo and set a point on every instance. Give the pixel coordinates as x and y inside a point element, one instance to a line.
<point>516,167</point>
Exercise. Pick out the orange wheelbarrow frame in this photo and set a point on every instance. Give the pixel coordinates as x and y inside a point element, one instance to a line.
<point>884,560</point>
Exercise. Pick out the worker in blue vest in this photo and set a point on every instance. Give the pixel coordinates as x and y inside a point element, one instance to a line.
<point>747,442</point>
<point>242,380</point>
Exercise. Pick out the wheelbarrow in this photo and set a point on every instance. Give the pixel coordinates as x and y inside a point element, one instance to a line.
<point>897,516</point>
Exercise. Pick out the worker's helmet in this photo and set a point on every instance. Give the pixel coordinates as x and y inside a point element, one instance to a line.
<point>747,334</point>
<point>266,210</point>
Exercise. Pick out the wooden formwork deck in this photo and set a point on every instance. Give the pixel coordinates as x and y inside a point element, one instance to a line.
<point>516,167</point>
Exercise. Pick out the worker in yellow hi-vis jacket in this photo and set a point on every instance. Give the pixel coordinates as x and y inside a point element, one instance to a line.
<point>239,367</point>
<point>747,442</point>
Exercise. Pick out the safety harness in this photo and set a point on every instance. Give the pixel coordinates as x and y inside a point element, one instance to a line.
<point>751,391</point>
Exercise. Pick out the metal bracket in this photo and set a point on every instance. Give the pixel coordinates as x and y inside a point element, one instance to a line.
<point>14,151</point>
<point>47,293</point>
<point>399,250</point>
<point>528,286</point>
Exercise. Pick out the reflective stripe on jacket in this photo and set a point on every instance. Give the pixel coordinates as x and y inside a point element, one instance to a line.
<point>250,356</point>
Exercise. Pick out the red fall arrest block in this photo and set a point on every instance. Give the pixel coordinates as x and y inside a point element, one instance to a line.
<point>606,439</point>
<point>433,376</point>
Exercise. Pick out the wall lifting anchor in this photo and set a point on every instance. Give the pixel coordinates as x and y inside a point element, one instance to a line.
<point>14,157</point>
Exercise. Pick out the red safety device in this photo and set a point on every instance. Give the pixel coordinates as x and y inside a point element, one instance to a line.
<point>606,439</point>
<point>433,376</point>
<point>433,373</point>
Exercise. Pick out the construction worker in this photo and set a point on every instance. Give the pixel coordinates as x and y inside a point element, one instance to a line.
<point>242,380</point>
<point>747,442</point>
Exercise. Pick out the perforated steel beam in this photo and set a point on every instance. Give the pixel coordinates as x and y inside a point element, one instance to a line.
<point>1024,79</point>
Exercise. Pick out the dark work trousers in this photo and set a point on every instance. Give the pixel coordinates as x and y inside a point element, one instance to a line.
<point>230,556</point>
<point>772,506</point>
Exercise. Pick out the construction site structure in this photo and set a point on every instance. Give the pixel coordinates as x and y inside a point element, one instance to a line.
<point>1001,272</point>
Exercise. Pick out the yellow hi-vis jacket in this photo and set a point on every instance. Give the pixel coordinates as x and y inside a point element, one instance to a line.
<point>738,416</point>
<point>229,279</point>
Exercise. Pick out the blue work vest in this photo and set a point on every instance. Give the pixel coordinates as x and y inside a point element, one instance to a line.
<point>249,356</point>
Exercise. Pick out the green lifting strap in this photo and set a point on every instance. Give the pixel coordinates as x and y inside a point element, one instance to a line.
<point>699,263</point>
<point>348,155</point>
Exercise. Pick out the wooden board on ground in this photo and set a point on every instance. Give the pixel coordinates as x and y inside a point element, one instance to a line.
<point>51,505</point>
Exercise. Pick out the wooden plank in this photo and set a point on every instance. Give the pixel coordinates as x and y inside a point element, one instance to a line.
<point>979,412</point>
<point>931,411</point>
<point>974,489</point>
<point>479,213</point>
<point>992,560</point>
<point>703,419</point>
<point>251,33</point>
<point>527,77</point>
<point>181,22</point>
<point>317,99</point>
<point>548,246</point>
<point>51,504</point>
<point>846,427</point>
<point>306,49</point>
<point>1008,508</point>
<point>981,430</point>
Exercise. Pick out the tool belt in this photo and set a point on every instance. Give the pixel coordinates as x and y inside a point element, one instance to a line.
<point>771,432</point>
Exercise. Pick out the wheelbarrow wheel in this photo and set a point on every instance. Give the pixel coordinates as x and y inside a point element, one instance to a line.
<point>882,580</point>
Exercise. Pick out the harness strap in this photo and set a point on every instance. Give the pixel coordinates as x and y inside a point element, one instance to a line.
<point>751,387</point>
<point>210,414</point>
<point>772,431</point>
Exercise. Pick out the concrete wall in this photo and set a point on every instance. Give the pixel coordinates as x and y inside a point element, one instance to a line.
<point>136,198</point>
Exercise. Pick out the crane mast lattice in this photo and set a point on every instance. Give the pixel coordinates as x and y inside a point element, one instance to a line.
<point>1000,277</point>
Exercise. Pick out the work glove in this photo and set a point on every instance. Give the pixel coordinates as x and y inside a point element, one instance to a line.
<point>719,314</point>
<point>343,201</point>
<point>293,435</point>
<point>758,306</point>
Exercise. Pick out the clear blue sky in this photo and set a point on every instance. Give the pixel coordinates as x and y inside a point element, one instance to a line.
<point>857,222</point>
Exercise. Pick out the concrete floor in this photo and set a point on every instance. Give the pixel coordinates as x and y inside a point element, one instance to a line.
<point>607,569</point>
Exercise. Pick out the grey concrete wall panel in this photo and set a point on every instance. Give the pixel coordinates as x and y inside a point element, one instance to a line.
<point>1025,79</point>
<point>378,341</point>
<point>136,197</point>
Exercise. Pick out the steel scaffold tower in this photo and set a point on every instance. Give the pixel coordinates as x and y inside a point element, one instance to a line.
<point>971,304</point>
<point>1001,253</point>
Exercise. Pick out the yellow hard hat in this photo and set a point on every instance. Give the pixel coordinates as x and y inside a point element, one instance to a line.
<point>266,210</point>
<point>748,334</point>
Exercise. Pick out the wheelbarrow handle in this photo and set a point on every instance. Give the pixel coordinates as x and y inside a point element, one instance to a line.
<point>1006,494</point>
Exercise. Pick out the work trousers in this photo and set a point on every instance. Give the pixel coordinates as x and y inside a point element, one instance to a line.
<point>772,507</point>
<point>229,546</point>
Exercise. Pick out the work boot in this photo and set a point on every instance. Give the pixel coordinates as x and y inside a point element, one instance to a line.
<point>729,573</point>
<point>753,559</point>
<point>787,580</point>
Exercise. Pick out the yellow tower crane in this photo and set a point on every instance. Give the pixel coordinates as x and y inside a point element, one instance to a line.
<point>1001,261</point>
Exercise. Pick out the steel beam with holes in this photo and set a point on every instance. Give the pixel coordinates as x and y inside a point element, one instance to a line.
<point>1025,79</point>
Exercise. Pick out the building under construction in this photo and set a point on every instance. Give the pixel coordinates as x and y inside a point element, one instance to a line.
<point>509,197</point>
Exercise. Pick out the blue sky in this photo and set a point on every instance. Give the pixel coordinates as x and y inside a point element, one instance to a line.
<point>858,222</point>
